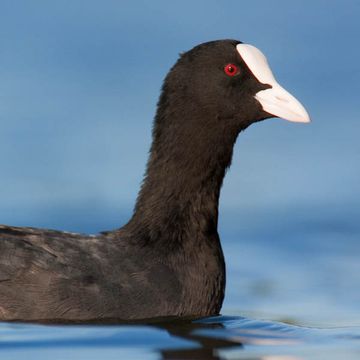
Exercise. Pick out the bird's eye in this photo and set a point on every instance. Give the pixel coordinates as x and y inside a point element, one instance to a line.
<point>231,70</point>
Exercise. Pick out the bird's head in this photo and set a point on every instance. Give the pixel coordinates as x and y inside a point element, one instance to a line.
<point>231,80</point>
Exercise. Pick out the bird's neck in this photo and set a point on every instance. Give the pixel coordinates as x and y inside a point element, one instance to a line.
<point>189,156</point>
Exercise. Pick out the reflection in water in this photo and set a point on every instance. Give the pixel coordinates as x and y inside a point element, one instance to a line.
<point>203,339</point>
<point>218,337</point>
<point>205,347</point>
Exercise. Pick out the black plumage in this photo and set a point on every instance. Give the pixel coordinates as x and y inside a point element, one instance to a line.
<point>167,260</point>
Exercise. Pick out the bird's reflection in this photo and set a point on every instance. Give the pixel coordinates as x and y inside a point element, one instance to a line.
<point>205,347</point>
<point>203,342</point>
<point>212,338</point>
<point>209,338</point>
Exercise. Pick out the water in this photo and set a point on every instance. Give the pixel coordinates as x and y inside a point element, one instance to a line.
<point>292,293</point>
<point>212,338</point>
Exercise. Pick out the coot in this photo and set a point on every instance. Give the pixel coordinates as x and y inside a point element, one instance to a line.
<point>167,260</point>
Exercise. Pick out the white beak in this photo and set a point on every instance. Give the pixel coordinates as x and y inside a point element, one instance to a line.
<point>275,100</point>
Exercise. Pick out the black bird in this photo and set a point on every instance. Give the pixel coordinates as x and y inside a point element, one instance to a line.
<point>167,260</point>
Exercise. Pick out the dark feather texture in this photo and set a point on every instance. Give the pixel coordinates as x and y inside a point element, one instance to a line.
<point>167,261</point>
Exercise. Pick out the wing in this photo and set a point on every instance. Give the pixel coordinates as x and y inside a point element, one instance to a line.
<point>41,272</point>
<point>51,275</point>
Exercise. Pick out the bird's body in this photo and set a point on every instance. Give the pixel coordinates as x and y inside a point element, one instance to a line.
<point>55,276</point>
<point>167,260</point>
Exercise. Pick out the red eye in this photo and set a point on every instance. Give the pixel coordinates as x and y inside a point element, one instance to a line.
<point>231,70</point>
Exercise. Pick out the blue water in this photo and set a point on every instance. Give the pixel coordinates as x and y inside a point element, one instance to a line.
<point>212,338</point>
<point>292,293</point>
